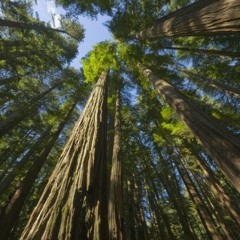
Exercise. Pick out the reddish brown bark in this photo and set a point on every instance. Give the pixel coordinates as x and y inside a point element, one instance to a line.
<point>202,18</point>
<point>9,216</point>
<point>73,204</point>
<point>115,204</point>
<point>220,144</point>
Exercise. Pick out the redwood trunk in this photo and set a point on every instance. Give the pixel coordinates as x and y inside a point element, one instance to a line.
<point>115,204</point>
<point>172,192</point>
<point>201,208</point>
<point>224,200</point>
<point>13,208</point>
<point>220,144</point>
<point>202,18</point>
<point>73,204</point>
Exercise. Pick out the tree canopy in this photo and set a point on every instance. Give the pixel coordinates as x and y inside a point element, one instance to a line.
<point>140,141</point>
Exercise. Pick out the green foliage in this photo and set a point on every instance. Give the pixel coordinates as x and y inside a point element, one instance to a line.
<point>90,8</point>
<point>154,139</point>
<point>103,57</point>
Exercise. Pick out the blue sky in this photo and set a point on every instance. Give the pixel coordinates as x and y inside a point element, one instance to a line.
<point>95,31</point>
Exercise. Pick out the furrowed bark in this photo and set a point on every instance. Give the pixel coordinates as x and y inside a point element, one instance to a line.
<point>12,210</point>
<point>221,145</point>
<point>115,204</point>
<point>73,204</point>
<point>202,18</point>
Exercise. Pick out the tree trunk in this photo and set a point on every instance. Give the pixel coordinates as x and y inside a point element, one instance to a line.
<point>209,82</point>
<point>201,208</point>
<point>29,26</point>
<point>207,51</point>
<point>23,111</point>
<point>139,216</point>
<point>220,144</point>
<point>223,199</point>
<point>159,212</point>
<point>13,208</point>
<point>201,18</point>
<point>172,193</point>
<point>131,211</point>
<point>73,204</point>
<point>115,203</point>
<point>214,209</point>
<point>19,165</point>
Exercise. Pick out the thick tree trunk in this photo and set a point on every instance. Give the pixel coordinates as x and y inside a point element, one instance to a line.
<point>207,51</point>
<point>115,203</point>
<point>13,208</point>
<point>73,204</point>
<point>221,145</point>
<point>202,18</point>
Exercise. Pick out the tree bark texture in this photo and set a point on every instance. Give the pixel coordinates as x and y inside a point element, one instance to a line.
<point>115,204</point>
<point>202,18</point>
<point>13,208</point>
<point>73,204</point>
<point>220,144</point>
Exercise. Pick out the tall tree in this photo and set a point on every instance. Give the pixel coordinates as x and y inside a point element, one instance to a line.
<point>73,204</point>
<point>12,209</point>
<point>201,18</point>
<point>221,145</point>
<point>71,28</point>
<point>115,203</point>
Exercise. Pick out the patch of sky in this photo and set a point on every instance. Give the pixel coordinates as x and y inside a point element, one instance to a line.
<point>95,31</point>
